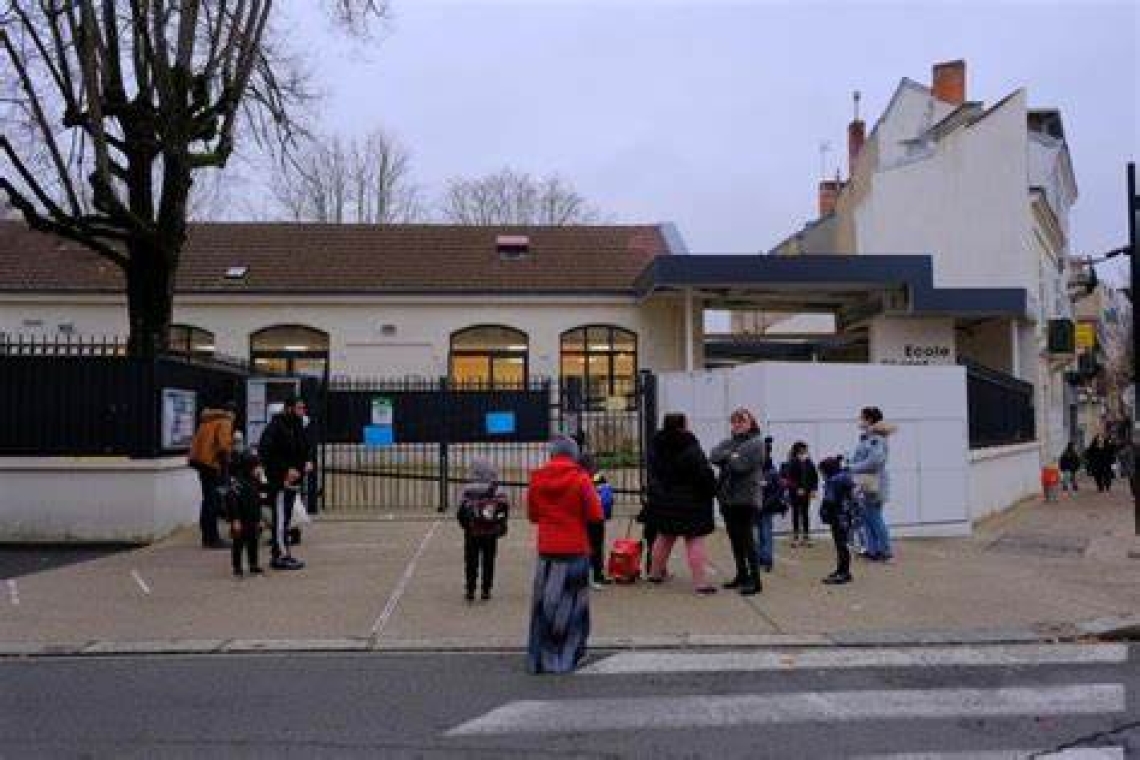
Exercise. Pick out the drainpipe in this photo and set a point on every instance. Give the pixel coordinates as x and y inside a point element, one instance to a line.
<point>688,329</point>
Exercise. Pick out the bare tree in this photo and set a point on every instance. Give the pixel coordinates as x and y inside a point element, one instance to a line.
<point>110,109</point>
<point>507,197</point>
<point>336,180</point>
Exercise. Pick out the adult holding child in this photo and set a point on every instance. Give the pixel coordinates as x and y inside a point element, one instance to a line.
<point>740,459</point>
<point>679,499</point>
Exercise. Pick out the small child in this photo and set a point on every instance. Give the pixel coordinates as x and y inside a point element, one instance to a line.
<point>597,532</point>
<point>483,514</point>
<point>835,511</point>
<point>243,510</point>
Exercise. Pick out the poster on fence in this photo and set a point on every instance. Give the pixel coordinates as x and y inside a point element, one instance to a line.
<point>381,410</point>
<point>179,412</point>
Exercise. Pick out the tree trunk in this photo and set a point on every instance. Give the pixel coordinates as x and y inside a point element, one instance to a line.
<point>150,296</point>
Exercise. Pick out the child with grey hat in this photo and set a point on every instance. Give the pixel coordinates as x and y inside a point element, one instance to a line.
<point>483,514</point>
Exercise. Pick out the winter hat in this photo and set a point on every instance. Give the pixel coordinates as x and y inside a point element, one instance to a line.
<point>483,471</point>
<point>564,447</point>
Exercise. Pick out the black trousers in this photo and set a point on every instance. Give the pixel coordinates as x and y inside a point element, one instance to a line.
<point>1103,480</point>
<point>479,554</point>
<point>211,508</point>
<point>839,534</point>
<point>597,535</point>
<point>739,522</point>
<point>801,516</point>
<point>281,502</point>
<point>247,541</point>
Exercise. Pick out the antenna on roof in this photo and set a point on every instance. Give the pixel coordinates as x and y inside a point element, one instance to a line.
<point>824,149</point>
<point>855,97</point>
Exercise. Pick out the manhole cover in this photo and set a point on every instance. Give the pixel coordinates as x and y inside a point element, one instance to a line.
<point>1041,545</point>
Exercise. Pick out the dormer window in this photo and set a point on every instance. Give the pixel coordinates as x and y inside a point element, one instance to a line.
<point>236,273</point>
<point>512,247</point>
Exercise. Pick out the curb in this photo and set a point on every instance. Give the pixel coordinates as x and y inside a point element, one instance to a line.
<point>1101,629</point>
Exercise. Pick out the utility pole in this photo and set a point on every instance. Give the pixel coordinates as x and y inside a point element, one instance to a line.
<point>1133,245</point>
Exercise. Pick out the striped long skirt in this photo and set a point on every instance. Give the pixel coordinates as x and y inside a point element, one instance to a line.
<point>560,614</point>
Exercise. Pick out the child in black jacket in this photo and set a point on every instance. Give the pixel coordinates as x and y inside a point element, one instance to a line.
<point>483,515</point>
<point>802,481</point>
<point>243,510</point>
<point>836,511</point>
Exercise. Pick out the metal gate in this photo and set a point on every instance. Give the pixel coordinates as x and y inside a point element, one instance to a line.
<point>403,447</point>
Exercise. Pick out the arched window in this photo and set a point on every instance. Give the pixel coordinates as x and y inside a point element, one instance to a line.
<point>190,341</point>
<point>605,359</point>
<point>489,356</point>
<point>290,350</point>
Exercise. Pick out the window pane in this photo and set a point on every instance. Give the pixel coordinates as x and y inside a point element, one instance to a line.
<point>509,371</point>
<point>471,369</point>
<point>289,338</point>
<point>309,367</point>
<point>598,338</point>
<point>574,340</point>
<point>598,382</point>
<point>625,373</point>
<point>573,365</point>
<point>624,340</point>
<point>276,366</point>
<point>490,339</point>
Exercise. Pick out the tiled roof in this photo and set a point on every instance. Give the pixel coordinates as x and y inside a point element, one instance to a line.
<point>328,258</point>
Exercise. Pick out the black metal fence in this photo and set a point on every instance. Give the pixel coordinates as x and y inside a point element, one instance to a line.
<point>999,406</point>
<point>76,397</point>
<point>396,446</point>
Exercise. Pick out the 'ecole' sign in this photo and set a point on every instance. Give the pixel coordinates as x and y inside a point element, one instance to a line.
<point>921,353</point>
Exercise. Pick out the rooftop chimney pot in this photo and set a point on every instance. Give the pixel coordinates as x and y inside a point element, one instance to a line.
<point>948,81</point>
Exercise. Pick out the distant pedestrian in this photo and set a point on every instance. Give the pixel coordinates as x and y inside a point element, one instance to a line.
<point>284,452</point>
<point>836,511</point>
<point>597,530</point>
<point>680,500</point>
<point>561,501</point>
<point>740,459</point>
<point>1099,457</point>
<point>802,481</point>
<point>243,510</point>
<point>483,513</point>
<point>210,453</point>
<point>868,465</point>
<point>1070,465</point>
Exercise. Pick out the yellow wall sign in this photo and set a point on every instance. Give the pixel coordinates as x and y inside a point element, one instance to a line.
<point>1086,335</point>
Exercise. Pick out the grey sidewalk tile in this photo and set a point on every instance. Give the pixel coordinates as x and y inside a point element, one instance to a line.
<point>32,649</point>
<point>172,646</point>
<point>759,640</point>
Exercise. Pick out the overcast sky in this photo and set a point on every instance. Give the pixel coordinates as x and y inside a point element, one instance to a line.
<point>711,114</point>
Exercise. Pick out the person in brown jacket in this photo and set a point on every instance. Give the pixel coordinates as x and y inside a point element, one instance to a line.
<point>209,456</point>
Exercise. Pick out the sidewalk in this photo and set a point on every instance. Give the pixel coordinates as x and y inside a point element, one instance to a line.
<point>1040,571</point>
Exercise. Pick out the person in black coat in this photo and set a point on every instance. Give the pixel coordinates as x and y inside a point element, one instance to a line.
<point>284,451</point>
<point>243,510</point>
<point>1100,455</point>
<point>802,481</point>
<point>680,499</point>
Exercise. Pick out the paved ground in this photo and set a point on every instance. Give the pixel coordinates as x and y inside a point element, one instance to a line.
<point>17,559</point>
<point>1038,571</point>
<point>1003,702</point>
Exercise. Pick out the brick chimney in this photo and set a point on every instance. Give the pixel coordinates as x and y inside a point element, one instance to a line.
<point>856,136</point>
<point>828,195</point>
<point>948,81</point>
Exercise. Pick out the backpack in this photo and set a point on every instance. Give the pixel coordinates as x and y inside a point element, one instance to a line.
<point>775,499</point>
<point>484,516</point>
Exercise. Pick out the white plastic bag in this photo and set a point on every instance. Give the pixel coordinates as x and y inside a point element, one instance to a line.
<point>300,515</point>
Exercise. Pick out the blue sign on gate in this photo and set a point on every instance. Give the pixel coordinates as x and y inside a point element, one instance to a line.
<point>500,423</point>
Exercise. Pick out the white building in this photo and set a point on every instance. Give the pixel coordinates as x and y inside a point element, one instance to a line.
<point>986,192</point>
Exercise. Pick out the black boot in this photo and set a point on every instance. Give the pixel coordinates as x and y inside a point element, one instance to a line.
<point>751,585</point>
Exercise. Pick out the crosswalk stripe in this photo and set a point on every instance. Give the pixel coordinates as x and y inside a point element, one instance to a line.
<point>1081,753</point>
<point>956,656</point>
<point>704,711</point>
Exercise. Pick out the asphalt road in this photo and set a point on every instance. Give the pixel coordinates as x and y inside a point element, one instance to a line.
<point>760,704</point>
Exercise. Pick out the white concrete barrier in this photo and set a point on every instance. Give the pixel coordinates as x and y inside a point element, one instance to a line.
<point>1001,476</point>
<point>88,499</point>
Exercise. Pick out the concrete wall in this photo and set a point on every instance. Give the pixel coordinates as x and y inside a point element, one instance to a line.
<point>904,340</point>
<point>819,403</point>
<point>423,325</point>
<point>95,499</point>
<point>1002,476</point>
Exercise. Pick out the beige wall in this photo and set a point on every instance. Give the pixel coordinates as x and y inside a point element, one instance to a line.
<point>423,325</point>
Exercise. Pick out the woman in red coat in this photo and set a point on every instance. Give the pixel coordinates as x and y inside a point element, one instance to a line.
<point>561,501</point>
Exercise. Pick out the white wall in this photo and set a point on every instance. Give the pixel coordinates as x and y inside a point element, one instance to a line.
<point>95,499</point>
<point>908,340</point>
<point>1002,476</point>
<point>819,404</point>
<point>423,325</point>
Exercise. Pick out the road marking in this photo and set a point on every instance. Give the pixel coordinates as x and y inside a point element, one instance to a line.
<point>902,657</point>
<point>1079,753</point>
<point>138,579</point>
<point>398,592</point>
<point>13,592</point>
<point>711,711</point>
